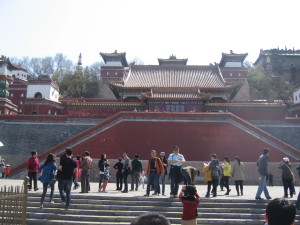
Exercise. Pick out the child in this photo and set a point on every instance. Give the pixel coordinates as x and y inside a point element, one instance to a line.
<point>106,178</point>
<point>270,178</point>
<point>7,170</point>
<point>143,179</point>
<point>190,199</point>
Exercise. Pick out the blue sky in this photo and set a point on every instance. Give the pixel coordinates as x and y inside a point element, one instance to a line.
<point>199,30</point>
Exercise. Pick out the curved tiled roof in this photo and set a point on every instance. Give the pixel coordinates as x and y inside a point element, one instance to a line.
<point>202,77</point>
<point>232,57</point>
<point>115,56</point>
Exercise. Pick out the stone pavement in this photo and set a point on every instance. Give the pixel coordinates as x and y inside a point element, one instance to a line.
<point>249,190</point>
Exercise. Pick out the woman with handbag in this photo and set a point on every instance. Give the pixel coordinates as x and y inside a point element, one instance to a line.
<point>287,177</point>
<point>48,177</point>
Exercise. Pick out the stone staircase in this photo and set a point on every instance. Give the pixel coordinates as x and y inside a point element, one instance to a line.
<point>87,209</point>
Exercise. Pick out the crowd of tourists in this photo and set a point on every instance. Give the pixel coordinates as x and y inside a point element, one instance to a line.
<point>216,173</point>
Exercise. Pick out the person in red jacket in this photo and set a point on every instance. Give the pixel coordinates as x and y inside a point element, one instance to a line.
<point>32,166</point>
<point>7,171</point>
<point>190,200</point>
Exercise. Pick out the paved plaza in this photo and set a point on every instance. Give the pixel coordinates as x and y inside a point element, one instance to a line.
<point>249,190</point>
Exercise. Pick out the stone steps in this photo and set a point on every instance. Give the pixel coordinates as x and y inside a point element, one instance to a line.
<point>94,209</point>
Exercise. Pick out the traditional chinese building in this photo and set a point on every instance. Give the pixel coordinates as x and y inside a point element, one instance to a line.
<point>233,70</point>
<point>42,98</point>
<point>114,70</point>
<point>7,107</point>
<point>173,86</point>
<point>232,67</point>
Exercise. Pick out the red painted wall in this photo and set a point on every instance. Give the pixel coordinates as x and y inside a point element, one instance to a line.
<point>17,98</point>
<point>197,141</point>
<point>197,137</point>
<point>112,73</point>
<point>42,107</point>
<point>235,73</point>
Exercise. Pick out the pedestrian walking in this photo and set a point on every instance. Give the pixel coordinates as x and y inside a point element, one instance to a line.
<point>154,171</point>
<point>227,172</point>
<point>175,160</point>
<point>287,177</point>
<point>32,166</point>
<point>86,165</point>
<point>68,167</point>
<point>47,177</point>
<point>119,175</point>
<point>262,164</point>
<point>58,172</point>
<point>214,168</point>
<point>237,173</point>
<point>207,179</point>
<point>137,169</point>
<point>164,161</point>
<point>126,171</point>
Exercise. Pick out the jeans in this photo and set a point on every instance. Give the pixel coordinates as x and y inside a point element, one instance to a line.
<point>163,183</point>
<point>153,177</point>
<point>288,184</point>
<point>262,187</point>
<point>101,180</point>
<point>85,181</point>
<point>135,180</point>
<point>45,187</point>
<point>119,181</point>
<point>65,191</point>
<point>32,177</point>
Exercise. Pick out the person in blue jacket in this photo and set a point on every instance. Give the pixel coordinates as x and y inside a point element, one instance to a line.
<point>48,177</point>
